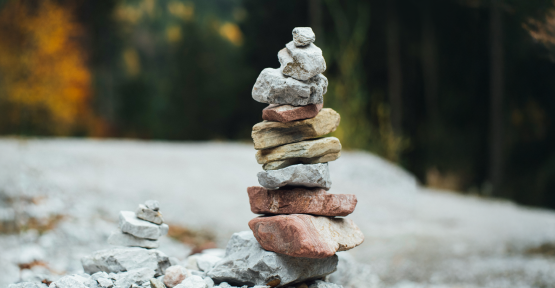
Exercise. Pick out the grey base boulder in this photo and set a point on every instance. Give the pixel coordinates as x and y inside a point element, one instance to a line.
<point>246,263</point>
<point>125,259</point>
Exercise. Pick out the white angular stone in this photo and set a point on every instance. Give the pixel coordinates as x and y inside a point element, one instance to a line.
<point>273,87</point>
<point>129,223</point>
<point>27,285</point>
<point>303,36</point>
<point>125,259</point>
<point>205,262</point>
<point>246,263</point>
<point>105,282</point>
<point>301,63</point>
<point>119,238</point>
<point>311,175</point>
<point>136,276</point>
<point>149,215</point>
<point>193,282</point>
<point>152,204</point>
<point>209,282</point>
<point>71,281</point>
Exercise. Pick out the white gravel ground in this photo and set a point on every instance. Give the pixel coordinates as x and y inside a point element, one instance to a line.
<point>415,237</point>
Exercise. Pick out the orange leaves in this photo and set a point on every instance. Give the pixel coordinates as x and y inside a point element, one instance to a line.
<point>43,67</point>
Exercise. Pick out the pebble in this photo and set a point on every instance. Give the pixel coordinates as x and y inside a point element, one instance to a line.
<point>135,276</point>
<point>269,134</point>
<point>301,63</point>
<point>129,223</point>
<point>155,283</point>
<point>310,175</point>
<point>315,201</point>
<point>175,275</point>
<point>119,238</point>
<point>303,36</point>
<point>152,204</point>
<point>147,214</point>
<point>272,87</point>
<point>193,282</point>
<point>288,113</point>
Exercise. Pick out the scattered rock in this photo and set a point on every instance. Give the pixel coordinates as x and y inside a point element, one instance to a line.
<point>119,238</point>
<point>71,281</point>
<point>303,36</point>
<point>288,113</point>
<point>311,175</point>
<point>246,263</point>
<point>175,275</point>
<point>105,282</point>
<point>125,259</point>
<point>272,87</point>
<point>314,201</point>
<point>149,215</point>
<point>205,262</point>
<point>193,282</point>
<point>27,285</point>
<point>322,284</point>
<point>301,63</point>
<point>152,204</point>
<point>209,282</point>
<point>129,223</point>
<point>300,235</point>
<point>269,134</point>
<point>296,152</point>
<point>136,276</point>
<point>155,283</point>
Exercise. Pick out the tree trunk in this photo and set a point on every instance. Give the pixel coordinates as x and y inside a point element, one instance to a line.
<point>394,66</point>
<point>430,74</point>
<point>496,106</point>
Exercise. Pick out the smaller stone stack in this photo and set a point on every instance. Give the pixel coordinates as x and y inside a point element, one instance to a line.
<point>301,216</point>
<point>141,228</point>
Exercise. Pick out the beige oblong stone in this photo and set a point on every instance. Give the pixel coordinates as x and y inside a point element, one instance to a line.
<point>295,153</point>
<point>294,161</point>
<point>268,134</point>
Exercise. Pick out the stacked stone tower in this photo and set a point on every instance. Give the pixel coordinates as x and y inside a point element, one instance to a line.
<point>300,216</point>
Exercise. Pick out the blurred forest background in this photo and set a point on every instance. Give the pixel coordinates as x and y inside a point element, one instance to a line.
<point>459,92</point>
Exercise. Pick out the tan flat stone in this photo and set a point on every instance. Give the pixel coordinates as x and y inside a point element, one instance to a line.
<point>304,152</point>
<point>293,161</point>
<point>315,201</point>
<point>300,235</point>
<point>268,134</point>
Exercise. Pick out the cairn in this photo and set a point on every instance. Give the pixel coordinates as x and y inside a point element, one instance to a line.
<point>141,228</point>
<point>299,215</point>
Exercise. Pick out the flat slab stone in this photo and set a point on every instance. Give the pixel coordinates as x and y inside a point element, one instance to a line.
<point>269,134</point>
<point>288,113</point>
<point>125,259</point>
<point>311,150</point>
<point>315,201</point>
<point>303,36</point>
<point>119,238</point>
<point>129,223</point>
<point>286,163</point>
<point>246,263</point>
<point>150,215</point>
<point>311,175</point>
<point>273,87</point>
<point>301,63</point>
<point>300,235</point>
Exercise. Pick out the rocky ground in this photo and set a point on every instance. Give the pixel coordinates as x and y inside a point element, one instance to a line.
<point>60,199</point>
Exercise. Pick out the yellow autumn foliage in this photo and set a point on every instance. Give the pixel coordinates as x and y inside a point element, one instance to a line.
<point>43,72</point>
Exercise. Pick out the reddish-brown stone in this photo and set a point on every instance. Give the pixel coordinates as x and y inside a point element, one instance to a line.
<point>288,113</point>
<point>301,235</point>
<point>314,201</point>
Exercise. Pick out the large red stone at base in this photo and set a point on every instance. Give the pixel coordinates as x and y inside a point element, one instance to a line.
<point>314,201</point>
<point>300,235</point>
<point>288,113</point>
